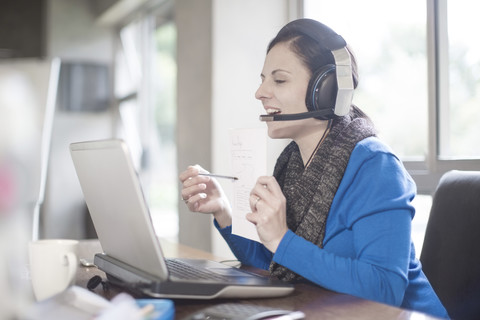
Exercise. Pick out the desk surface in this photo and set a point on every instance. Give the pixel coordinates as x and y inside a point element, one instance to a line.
<point>314,301</point>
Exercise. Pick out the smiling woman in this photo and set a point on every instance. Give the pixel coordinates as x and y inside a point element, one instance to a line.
<point>337,210</point>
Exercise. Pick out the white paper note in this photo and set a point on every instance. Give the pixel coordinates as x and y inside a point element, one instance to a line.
<point>249,161</point>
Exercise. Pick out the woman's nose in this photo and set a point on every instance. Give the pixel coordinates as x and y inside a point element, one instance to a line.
<point>262,91</point>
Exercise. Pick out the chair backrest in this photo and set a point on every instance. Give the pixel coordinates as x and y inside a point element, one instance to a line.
<point>451,249</point>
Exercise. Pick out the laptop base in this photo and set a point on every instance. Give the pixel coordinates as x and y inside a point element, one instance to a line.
<point>140,282</point>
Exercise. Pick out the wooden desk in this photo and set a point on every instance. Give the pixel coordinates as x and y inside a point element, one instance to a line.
<point>314,301</point>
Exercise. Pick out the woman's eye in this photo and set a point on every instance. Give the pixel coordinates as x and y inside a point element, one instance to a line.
<point>279,81</point>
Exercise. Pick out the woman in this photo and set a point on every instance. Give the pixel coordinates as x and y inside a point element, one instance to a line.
<point>337,210</point>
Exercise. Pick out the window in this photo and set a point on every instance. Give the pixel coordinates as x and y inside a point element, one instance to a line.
<point>419,77</point>
<point>460,131</point>
<point>163,162</point>
<point>391,44</point>
<point>145,88</point>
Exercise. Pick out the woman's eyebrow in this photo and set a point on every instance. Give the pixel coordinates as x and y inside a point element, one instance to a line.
<point>279,70</point>
<point>274,72</point>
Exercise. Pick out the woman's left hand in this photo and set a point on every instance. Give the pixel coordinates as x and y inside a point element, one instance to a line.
<point>269,207</point>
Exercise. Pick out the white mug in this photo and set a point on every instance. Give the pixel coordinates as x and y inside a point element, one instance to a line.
<point>53,266</point>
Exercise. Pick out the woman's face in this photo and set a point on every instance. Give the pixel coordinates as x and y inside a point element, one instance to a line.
<point>283,89</point>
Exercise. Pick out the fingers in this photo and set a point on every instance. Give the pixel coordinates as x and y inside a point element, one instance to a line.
<point>260,198</point>
<point>193,186</point>
<point>191,182</point>
<point>253,201</point>
<point>268,205</point>
<point>201,193</point>
<point>194,193</point>
<point>265,190</point>
<point>252,217</point>
<point>190,172</point>
<point>268,183</point>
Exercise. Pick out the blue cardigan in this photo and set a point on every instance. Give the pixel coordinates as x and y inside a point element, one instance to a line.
<point>368,250</point>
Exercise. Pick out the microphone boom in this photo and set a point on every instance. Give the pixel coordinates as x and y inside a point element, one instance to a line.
<point>295,116</point>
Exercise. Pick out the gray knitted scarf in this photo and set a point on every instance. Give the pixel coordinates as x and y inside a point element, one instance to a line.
<point>310,192</point>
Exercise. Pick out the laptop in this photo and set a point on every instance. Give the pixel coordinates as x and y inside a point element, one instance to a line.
<point>132,254</point>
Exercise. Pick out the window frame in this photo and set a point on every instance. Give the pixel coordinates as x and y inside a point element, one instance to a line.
<point>428,171</point>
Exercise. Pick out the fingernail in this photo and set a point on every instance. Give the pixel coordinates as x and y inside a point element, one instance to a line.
<point>203,195</point>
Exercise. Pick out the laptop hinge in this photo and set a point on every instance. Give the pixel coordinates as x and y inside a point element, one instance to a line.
<point>122,271</point>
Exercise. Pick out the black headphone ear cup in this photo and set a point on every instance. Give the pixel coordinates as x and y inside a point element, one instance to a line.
<point>322,91</point>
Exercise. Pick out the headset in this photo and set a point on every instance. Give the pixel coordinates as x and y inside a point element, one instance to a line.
<point>330,90</point>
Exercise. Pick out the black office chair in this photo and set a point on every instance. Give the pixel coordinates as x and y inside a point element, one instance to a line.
<point>451,249</point>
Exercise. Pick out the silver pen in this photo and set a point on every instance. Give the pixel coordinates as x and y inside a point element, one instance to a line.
<point>217,176</point>
<point>291,316</point>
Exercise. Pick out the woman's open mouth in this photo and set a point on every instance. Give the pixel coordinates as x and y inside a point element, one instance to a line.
<point>271,111</point>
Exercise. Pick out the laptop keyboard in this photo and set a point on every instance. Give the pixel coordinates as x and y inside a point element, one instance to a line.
<point>182,270</point>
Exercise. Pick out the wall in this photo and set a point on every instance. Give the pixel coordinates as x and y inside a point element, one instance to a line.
<point>221,48</point>
<point>72,35</point>
<point>27,19</point>
<point>194,105</point>
<point>241,32</point>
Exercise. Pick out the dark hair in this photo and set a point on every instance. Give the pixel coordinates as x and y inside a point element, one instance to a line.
<point>310,50</point>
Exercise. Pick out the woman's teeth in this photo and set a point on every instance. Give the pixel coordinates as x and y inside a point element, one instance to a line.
<point>272,111</point>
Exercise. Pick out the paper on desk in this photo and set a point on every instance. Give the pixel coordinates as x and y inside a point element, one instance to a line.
<point>249,161</point>
<point>77,303</point>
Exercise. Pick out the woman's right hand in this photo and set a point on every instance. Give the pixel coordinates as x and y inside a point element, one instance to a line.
<point>204,194</point>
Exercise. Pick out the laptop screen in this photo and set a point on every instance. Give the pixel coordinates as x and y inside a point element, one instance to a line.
<point>116,203</point>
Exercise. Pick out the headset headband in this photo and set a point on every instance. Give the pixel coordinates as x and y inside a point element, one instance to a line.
<point>335,43</point>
